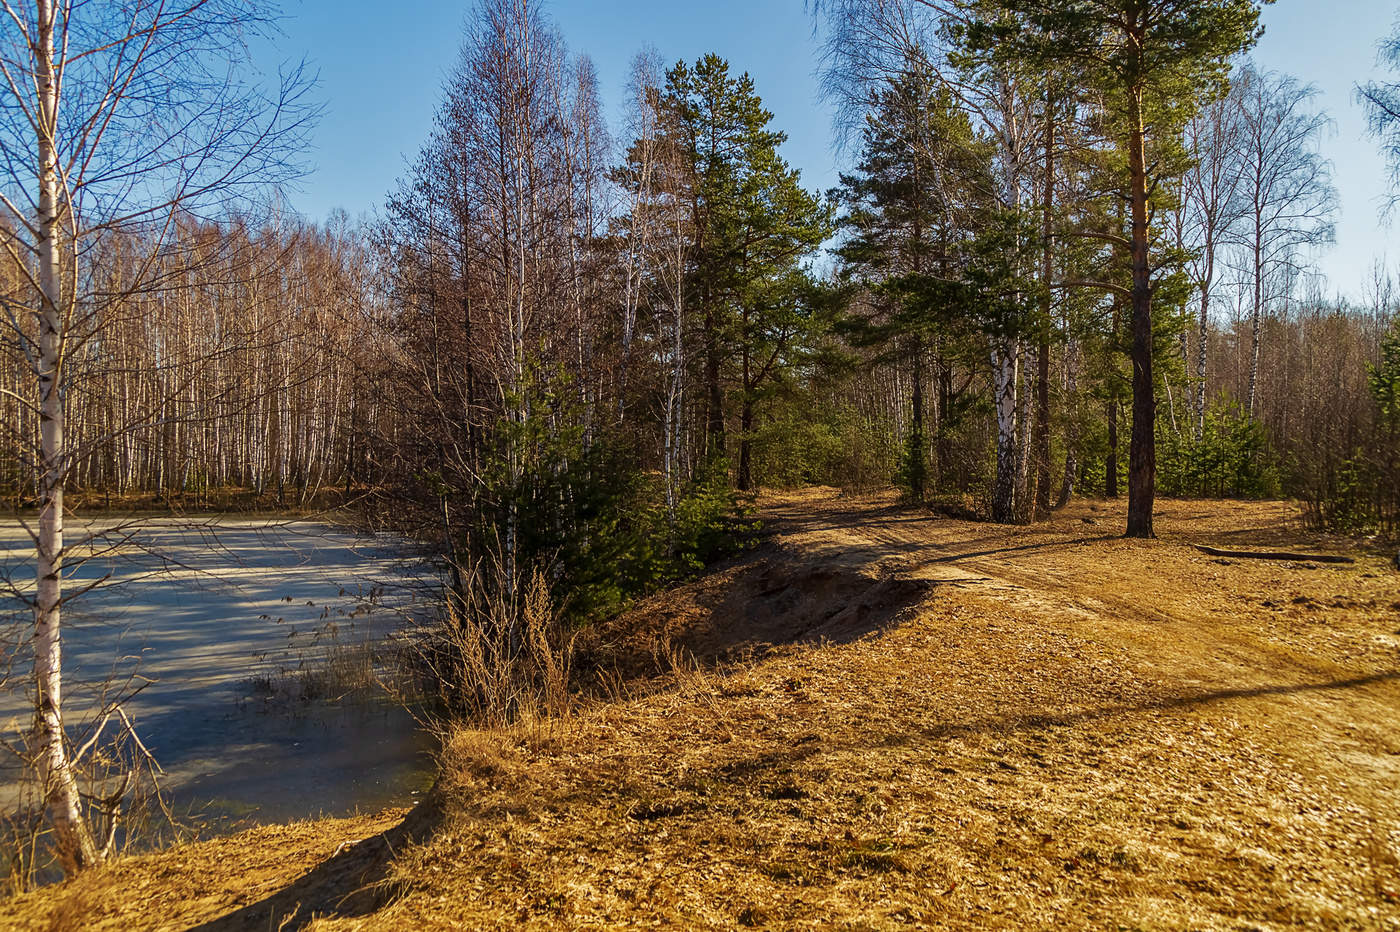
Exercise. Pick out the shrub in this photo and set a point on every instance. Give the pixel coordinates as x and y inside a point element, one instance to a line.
<point>1231,458</point>
<point>807,443</point>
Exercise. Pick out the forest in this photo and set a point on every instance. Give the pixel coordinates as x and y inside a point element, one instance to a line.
<point>548,315</point>
<point>1071,258</point>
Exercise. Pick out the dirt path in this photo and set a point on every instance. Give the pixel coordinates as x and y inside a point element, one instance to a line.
<point>1211,621</point>
<point>1308,652</point>
<point>904,721</point>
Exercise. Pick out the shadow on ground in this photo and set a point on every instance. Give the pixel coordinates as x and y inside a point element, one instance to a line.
<point>350,884</point>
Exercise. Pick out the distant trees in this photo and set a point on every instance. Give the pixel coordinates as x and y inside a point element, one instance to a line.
<point>495,252</point>
<point>752,224</point>
<point>909,207</point>
<point>1322,423</point>
<point>1381,100</point>
<point>1209,207</point>
<point>1284,187</point>
<point>873,47</point>
<point>1255,198</point>
<point>537,295</point>
<point>243,368</point>
<point>1090,104</point>
<point>1382,458</point>
<point>1154,62</point>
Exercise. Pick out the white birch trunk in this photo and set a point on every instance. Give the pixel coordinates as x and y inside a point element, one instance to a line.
<point>1025,492</point>
<point>73,840</point>
<point>1005,356</point>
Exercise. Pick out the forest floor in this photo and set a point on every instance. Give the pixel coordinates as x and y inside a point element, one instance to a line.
<point>895,720</point>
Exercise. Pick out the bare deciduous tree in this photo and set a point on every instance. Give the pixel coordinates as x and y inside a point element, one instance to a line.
<point>116,119</point>
<point>1381,100</point>
<point>1286,188</point>
<point>1210,208</point>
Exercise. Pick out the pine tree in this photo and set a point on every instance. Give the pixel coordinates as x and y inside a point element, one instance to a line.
<point>1154,62</point>
<point>752,225</point>
<point>911,201</point>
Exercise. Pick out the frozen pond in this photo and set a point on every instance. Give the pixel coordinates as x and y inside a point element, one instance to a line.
<point>207,613</point>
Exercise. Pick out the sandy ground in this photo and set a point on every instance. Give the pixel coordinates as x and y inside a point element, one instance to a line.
<point>894,720</point>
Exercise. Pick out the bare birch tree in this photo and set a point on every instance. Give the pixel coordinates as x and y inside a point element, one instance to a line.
<point>638,178</point>
<point>1381,101</point>
<point>1209,211</point>
<point>114,118</point>
<point>1286,187</point>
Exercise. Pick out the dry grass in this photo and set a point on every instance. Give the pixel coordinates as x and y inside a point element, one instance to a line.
<point>500,656</point>
<point>965,727</point>
<point>192,883</point>
<point>333,666</point>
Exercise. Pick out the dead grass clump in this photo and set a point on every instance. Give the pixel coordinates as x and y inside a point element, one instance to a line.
<point>333,666</point>
<point>499,657</point>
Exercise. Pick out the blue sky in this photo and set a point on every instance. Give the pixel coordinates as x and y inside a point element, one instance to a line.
<point>382,67</point>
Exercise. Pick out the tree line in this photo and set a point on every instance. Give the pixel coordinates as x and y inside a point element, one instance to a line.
<point>1072,243</point>
<point>238,364</point>
<point>1063,243</point>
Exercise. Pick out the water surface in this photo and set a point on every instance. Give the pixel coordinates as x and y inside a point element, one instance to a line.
<point>200,618</point>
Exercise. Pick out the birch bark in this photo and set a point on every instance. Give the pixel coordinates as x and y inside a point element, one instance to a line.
<point>74,842</point>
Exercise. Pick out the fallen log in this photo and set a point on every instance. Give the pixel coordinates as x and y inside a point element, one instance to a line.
<point>1284,555</point>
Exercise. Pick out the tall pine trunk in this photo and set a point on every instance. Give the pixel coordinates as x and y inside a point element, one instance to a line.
<point>1142,455</point>
<point>1047,271</point>
<point>745,477</point>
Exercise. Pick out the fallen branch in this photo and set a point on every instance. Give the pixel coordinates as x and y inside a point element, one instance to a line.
<point>1263,555</point>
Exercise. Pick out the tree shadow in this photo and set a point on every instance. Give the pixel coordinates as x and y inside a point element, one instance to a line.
<point>351,883</point>
<point>766,602</point>
<point>1168,703</point>
<point>1022,548</point>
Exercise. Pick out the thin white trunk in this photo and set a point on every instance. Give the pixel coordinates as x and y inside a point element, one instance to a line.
<point>676,389</point>
<point>1025,494</point>
<point>1256,316</point>
<point>1203,336</point>
<point>673,411</point>
<point>1005,355</point>
<point>73,841</point>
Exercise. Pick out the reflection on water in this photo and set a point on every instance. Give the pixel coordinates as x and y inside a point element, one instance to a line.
<point>281,765</point>
<point>199,614</point>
